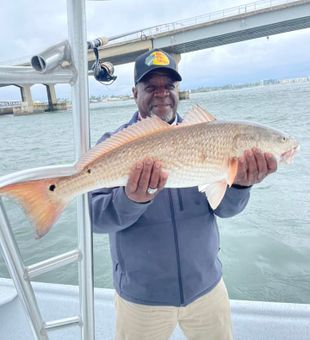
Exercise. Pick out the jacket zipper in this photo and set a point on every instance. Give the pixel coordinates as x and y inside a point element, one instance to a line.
<point>176,247</point>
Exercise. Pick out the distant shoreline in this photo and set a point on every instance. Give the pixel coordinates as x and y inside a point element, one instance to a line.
<point>114,98</point>
<point>268,82</point>
<point>255,84</point>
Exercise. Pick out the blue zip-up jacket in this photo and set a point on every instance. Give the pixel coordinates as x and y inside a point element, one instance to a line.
<point>164,252</point>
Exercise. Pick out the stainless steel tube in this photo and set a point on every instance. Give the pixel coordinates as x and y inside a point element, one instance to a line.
<point>37,173</point>
<point>56,324</point>
<point>52,57</point>
<point>52,263</point>
<point>27,75</point>
<point>16,269</point>
<point>80,108</point>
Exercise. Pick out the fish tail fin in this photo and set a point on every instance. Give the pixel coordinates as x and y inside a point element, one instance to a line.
<point>39,200</point>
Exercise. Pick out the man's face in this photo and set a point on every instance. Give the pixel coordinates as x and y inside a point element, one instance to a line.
<point>158,95</point>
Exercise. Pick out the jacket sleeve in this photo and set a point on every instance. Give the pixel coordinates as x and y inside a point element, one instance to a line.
<point>111,210</point>
<point>235,200</point>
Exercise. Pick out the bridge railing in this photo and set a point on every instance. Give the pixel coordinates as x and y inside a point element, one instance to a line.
<point>10,103</point>
<point>204,18</point>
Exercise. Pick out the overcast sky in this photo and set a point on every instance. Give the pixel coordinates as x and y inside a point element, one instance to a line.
<point>29,26</point>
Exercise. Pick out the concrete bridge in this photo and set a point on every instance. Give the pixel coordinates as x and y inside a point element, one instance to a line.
<point>26,105</point>
<point>250,21</point>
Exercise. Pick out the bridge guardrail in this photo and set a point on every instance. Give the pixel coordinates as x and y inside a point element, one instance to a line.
<point>204,18</point>
<point>10,103</point>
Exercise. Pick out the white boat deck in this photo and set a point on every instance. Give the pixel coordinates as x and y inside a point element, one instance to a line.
<point>252,320</point>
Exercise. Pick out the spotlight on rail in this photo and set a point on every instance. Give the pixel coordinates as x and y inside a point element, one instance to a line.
<point>52,57</point>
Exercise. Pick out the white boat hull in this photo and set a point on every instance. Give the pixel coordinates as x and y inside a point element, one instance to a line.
<point>252,320</point>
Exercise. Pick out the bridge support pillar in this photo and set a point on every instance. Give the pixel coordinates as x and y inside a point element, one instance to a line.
<point>182,94</point>
<point>51,96</point>
<point>176,57</point>
<point>27,102</point>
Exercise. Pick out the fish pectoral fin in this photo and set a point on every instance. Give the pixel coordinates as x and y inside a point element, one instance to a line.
<point>197,115</point>
<point>232,170</point>
<point>214,192</point>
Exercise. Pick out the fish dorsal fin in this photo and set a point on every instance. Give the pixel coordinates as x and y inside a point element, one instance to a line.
<point>145,127</point>
<point>197,115</point>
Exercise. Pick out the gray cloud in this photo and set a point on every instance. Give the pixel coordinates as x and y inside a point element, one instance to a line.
<point>31,26</point>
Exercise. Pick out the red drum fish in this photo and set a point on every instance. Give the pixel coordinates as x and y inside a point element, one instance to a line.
<point>201,151</point>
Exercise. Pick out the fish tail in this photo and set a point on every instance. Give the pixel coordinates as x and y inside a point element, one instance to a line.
<point>40,201</point>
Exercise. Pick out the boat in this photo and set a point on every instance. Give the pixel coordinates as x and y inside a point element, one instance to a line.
<point>41,311</point>
<point>252,320</point>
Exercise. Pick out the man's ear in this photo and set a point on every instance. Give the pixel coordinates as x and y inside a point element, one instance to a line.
<point>135,92</point>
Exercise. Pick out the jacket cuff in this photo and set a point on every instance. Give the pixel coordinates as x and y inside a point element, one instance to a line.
<point>237,186</point>
<point>238,192</point>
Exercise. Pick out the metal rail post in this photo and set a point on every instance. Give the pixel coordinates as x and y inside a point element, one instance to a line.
<point>16,269</point>
<point>80,107</point>
<point>21,274</point>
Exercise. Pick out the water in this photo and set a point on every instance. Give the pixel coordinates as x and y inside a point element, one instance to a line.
<point>265,250</point>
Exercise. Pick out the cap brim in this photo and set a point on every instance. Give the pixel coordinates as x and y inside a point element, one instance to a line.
<point>175,75</point>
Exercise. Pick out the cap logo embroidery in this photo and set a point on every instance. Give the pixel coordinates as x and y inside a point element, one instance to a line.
<point>157,58</point>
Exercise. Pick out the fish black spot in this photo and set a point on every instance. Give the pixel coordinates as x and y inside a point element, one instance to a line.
<point>52,187</point>
<point>89,171</point>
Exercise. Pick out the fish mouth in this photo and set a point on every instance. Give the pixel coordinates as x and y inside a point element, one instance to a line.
<point>288,156</point>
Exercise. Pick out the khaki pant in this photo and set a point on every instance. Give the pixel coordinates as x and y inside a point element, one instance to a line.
<point>207,318</point>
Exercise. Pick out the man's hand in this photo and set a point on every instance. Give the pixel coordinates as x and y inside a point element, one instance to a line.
<point>254,166</point>
<point>146,174</point>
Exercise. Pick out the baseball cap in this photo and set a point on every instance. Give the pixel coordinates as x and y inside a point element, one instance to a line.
<point>155,59</point>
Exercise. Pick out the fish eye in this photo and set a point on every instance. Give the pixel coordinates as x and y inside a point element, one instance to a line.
<point>52,187</point>
<point>284,139</point>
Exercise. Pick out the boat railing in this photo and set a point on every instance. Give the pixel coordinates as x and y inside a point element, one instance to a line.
<point>76,74</point>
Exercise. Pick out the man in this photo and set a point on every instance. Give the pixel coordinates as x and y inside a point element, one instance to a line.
<point>164,242</point>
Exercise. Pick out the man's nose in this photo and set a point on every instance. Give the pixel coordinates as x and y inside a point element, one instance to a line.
<point>161,92</point>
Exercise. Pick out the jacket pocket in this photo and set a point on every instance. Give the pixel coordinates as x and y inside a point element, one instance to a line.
<point>118,277</point>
